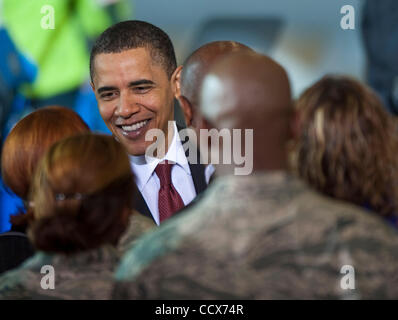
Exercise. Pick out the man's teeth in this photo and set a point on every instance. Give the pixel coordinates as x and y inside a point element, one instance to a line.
<point>135,126</point>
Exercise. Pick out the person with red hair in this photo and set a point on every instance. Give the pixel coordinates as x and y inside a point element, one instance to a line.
<point>83,194</point>
<point>26,143</point>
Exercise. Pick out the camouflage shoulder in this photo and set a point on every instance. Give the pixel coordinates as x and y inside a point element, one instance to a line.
<point>14,284</point>
<point>149,247</point>
<point>138,226</point>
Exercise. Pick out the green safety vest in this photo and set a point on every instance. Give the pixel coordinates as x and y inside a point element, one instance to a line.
<point>63,57</point>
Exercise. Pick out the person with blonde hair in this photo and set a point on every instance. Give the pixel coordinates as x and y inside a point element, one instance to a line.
<point>83,199</point>
<point>347,145</point>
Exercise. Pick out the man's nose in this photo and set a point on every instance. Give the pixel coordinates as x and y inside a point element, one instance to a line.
<point>126,105</point>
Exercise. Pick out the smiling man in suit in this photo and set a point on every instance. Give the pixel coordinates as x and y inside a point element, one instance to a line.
<point>134,76</point>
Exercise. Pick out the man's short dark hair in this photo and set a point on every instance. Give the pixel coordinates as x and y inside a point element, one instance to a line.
<point>134,34</point>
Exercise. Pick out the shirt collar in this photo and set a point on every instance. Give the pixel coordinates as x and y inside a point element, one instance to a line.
<point>143,167</point>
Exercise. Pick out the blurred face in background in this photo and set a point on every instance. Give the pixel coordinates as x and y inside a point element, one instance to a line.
<point>134,94</point>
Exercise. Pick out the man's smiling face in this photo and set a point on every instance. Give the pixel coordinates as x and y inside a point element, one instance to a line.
<point>134,94</point>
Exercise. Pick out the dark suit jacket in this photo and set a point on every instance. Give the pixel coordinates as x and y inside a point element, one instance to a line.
<point>198,176</point>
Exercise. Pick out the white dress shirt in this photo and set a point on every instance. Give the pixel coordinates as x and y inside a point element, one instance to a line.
<point>148,182</point>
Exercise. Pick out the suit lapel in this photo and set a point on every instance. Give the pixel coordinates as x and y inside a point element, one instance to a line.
<point>197,169</point>
<point>141,206</point>
<point>198,177</point>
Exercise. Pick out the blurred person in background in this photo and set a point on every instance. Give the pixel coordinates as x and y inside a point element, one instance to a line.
<point>193,71</point>
<point>27,142</point>
<point>380,33</point>
<point>15,70</point>
<point>83,199</point>
<point>265,235</point>
<point>56,34</point>
<point>347,145</point>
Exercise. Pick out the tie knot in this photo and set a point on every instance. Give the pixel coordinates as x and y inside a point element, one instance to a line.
<point>163,171</point>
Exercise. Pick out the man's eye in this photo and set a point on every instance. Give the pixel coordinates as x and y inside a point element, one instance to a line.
<point>107,95</point>
<point>142,89</point>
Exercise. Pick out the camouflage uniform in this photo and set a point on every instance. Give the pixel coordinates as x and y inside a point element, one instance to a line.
<point>86,275</point>
<point>138,225</point>
<point>265,236</point>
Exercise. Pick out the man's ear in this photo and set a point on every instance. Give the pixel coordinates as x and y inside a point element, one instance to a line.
<point>92,86</point>
<point>186,109</point>
<point>176,81</point>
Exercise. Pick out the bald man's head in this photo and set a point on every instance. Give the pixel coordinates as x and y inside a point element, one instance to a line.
<point>195,68</point>
<point>246,90</point>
